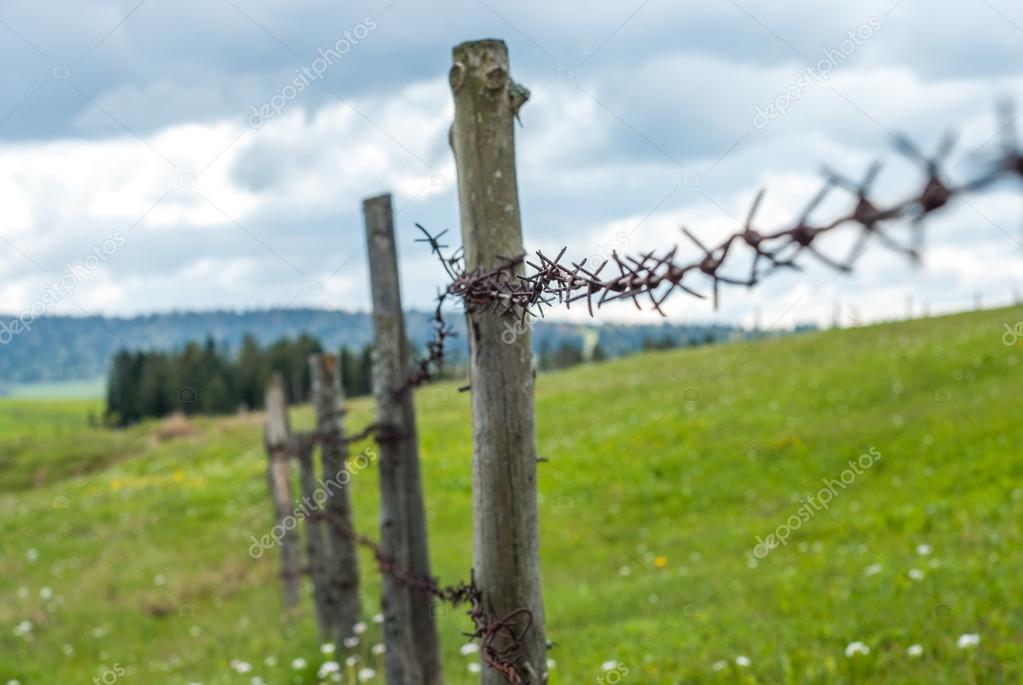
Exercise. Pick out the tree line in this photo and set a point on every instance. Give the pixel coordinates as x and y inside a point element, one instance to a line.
<point>211,378</point>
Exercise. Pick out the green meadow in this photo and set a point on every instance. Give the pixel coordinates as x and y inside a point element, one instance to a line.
<point>125,554</point>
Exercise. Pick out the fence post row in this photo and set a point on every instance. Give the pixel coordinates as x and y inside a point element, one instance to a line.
<point>278,438</point>
<point>342,573</point>
<point>304,444</point>
<point>506,557</point>
<point>410,633</point>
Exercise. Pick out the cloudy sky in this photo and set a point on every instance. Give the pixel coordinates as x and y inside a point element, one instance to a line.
<point>162,139</point>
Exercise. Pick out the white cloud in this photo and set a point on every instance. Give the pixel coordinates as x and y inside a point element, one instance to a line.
<point>605,154</point>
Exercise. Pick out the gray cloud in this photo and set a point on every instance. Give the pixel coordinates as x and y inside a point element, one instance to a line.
<point>640,112</point>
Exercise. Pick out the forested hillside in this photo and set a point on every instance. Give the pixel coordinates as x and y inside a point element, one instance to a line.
<point>62,348</point>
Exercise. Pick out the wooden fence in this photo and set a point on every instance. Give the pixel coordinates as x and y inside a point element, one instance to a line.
<point>330,557</point>
<point>503,594</point>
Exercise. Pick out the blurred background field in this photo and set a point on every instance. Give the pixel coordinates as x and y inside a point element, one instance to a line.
<point>130,547</point>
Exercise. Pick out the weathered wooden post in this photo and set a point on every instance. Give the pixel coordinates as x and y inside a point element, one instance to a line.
<point>410,633</point>
<point>342,572</point>
<point>506,554</point>
<point>278,439</point>
<point>304,445</point>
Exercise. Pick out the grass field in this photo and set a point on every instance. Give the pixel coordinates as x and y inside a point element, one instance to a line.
<point>125,554</point>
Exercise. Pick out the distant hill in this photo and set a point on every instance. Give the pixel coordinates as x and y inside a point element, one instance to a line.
<point>67,348</point>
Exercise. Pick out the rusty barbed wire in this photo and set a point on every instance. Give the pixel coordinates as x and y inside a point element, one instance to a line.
<point>489,630</point>
<point>430,365</point>
<point>649,278</point>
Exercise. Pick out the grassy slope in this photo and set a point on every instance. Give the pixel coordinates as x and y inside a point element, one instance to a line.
<point>686,455</point>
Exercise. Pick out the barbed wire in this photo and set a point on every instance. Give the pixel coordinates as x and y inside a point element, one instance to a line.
<point>490,631</point>
<point>433,362</point>
<point>651,277</point>
<point>501,642</point>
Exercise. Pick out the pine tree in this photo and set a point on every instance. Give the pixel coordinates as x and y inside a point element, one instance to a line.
<point>251,373</point>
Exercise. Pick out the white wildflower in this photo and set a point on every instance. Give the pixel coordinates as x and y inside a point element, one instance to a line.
<point>719,665</point>
<point>378,649</point>
<point>854,648</point>
<point>327,668</point>
<point>239,666</point>
<point>742,661</point>
<point>298,664</point>
<point>359,628</point>
<point>327,648</point>
<point>916,574</point>
<point>473,667</point>
<point>873,570</point>
<point>366,674</point>
<point>469,648</point>
<point>968,641</point>
<point>923,550</point>
<point>914,651</point>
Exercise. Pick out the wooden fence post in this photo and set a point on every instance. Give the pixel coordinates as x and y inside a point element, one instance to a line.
<point>278,446</point>
<point>506,557</point>
<point>410,633</point>
<point>342,573</point>
<point>304,444</point>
